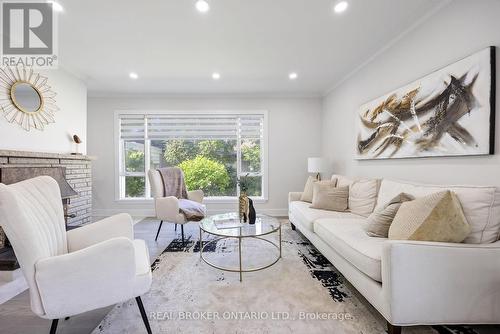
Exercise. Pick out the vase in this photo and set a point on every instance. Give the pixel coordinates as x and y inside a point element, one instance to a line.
<point>252,215</point>
<point>243,207</point>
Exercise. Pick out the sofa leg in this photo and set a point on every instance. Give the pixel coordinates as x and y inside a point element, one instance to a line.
<point>391,329</point>
<point>53,327</point>
<point>293,227</point>
<point>143,314</point>
<point>159,228</point>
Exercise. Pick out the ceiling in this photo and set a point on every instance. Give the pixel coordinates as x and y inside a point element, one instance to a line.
<point>253,44</point>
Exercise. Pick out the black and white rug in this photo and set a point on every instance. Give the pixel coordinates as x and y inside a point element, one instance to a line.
<point>302,293</point>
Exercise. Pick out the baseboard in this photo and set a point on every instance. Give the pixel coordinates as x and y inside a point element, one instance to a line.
<point>150,213</point>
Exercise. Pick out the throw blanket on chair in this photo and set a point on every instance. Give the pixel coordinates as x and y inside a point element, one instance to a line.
<point>174,185</point>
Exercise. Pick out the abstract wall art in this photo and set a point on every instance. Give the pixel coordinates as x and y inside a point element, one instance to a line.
<point>450,112</point>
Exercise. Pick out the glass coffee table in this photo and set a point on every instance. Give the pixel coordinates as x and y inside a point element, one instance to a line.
<point>224,226</point>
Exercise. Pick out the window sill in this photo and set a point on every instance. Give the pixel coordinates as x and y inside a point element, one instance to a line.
<point>207,200</point>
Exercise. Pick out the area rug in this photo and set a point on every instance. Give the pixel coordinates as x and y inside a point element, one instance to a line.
<point>301,293</point>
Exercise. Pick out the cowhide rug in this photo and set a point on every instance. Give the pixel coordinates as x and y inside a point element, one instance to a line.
<point>302,293</point>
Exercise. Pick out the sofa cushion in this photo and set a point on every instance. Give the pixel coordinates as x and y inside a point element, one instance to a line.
<point>363,196</point>
<point>348,238</point>
<point>481,205</point>
<point>307,215</point>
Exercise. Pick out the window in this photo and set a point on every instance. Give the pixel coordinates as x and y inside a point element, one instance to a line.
<point>213,150</point>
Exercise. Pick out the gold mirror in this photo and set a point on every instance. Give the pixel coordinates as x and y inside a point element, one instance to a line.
<point>26,98</point>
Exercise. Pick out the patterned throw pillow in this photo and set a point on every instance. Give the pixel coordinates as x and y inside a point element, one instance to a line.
<point>435,217</point>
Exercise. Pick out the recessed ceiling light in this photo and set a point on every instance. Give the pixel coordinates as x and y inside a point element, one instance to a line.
<point>133,75</point>
<point>340,7</point>
<point>216,76</point>
<point>292,76</point>
<point>202,6</point>
<point>56,6</point>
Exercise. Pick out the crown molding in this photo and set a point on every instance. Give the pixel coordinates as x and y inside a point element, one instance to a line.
<point>214,96</point>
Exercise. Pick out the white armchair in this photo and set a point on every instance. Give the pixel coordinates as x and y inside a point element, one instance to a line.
<point>167,208</point>
<point>68,273</point>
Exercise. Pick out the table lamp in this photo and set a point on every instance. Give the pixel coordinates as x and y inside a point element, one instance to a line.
<point>316,165</point>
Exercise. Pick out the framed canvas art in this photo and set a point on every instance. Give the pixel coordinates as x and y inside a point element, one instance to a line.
<point>450,112</point>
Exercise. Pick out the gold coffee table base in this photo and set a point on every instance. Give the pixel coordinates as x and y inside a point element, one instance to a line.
<point>240,270</point>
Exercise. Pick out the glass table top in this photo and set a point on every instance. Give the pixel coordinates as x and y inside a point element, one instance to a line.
<point>228,225</point>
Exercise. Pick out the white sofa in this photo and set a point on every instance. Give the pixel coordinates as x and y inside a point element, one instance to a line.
<point>412,282</point>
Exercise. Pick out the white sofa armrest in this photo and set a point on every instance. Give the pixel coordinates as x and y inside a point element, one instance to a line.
<point>120,225</point>
<point>167,208</point>
<point>441,283</point>
<point>196,195</point>
<point>90,278</point>
<point>294,196</point>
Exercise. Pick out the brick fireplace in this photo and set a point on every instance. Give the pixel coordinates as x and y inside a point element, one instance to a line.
<point>74,174</point>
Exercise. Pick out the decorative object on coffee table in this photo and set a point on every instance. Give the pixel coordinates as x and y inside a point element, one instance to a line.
<point>264,225</point>
<point>243,203</point>
<point>243,207</point>
<point>316,165</point>
<point>252,215</point>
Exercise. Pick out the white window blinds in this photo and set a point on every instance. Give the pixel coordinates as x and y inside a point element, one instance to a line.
<point>132,127</point>
<point>191,126</point>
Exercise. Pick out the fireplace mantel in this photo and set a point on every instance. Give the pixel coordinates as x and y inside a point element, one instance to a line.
<point>43,155</point>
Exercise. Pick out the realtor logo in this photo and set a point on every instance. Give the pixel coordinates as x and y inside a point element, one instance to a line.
<point>28,34</point>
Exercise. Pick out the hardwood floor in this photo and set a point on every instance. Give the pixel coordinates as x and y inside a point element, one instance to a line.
<point>16,316</point>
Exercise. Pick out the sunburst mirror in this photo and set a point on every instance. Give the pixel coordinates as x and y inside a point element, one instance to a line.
<point>26,98</point>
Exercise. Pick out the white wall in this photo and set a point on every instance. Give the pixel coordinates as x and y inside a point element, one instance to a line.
<point>56,137</point>
<point>294,135</point>
<point>456,31</point>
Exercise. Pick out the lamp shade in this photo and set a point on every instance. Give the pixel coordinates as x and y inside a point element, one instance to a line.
<point>315,165</point>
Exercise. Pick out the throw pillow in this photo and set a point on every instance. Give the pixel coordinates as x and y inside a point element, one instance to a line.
<point>343,181</point>
<point>435,217</point>
<point>363,196</point>
<point>328,197</point>
<point>378,222</point>
<point>307,194</point>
